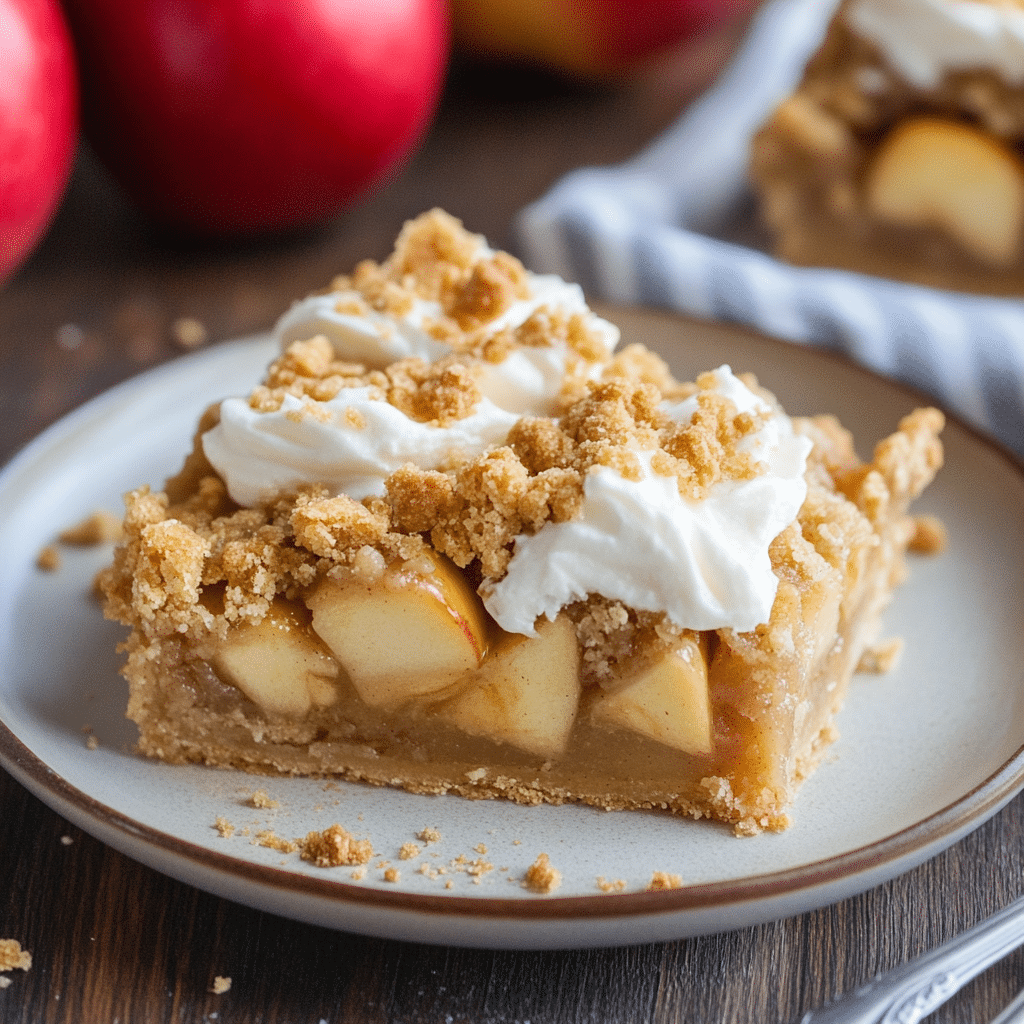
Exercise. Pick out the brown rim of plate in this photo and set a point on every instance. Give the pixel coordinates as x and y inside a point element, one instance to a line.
<point>932,833</point>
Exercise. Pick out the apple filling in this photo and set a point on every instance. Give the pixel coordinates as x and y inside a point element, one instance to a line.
<point>630,592</point>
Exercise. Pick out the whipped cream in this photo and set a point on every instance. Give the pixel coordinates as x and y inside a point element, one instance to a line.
<point>705,563</point>
<point>527,381</point>
<point>260,454</point>
<point>357,439</point>
<point>925,39</point>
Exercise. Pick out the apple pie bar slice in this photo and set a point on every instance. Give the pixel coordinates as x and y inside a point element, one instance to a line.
<point>453,542</point>
<point>900,152</point>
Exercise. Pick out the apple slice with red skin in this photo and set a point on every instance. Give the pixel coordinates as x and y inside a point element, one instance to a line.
<point>234,117</point>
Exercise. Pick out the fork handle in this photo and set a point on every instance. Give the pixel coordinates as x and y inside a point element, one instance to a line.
<point>914,989</point>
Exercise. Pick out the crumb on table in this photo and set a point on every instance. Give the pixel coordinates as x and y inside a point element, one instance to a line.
<point>13,957</point>
<point>220,985</point>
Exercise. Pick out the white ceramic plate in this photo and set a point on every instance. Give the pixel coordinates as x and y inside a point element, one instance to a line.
<point>927,753</point>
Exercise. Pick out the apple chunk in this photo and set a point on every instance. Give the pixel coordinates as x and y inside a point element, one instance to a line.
<point>277,664</point>
<point>667,701</point>
<point>411,632</point>
<point>943,174</point>
<point>526,692</point>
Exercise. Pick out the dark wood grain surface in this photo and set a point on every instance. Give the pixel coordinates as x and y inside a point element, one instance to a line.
<point>113,942</point>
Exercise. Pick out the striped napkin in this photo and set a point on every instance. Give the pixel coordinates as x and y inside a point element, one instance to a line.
<point>644,233</point>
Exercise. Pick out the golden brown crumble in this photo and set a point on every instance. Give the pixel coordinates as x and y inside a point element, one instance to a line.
<point>392,875</point>
<point>270,840</point>
<point>220,985</point>
<point>408,851</point>
<point>260,799</point>
<point>13,957</point>
<point>100,527</point>
<point>930,537</point>
<point>436,260</point>
<point>610,885</point>
<point>429,835</point>
<point>224,827</point>
<point>664,880</point>
<point>335,846</point>
<point>882,657</point>
<point>541,876</point>
<point>48,559</point>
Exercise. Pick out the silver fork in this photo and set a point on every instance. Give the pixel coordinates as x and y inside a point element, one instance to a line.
<point>913,990</point>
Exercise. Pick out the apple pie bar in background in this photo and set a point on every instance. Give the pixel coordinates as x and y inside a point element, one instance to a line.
<point>455,542</point>
<point>899,154</point>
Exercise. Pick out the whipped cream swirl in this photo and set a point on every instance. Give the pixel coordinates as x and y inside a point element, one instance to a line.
<point>925,39</point>
<point>357,439</point>
<point>705,563</point>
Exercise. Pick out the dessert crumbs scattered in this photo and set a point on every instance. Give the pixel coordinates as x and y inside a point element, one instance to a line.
<point>66,840</point>
<point>92,741</point>
<point>48,559</point>
<point>5,982</point>
<point>13,957</point>
<point>224,827</point>
<point>429,835</point>
<point>220,985</point>
<point>610,885</point>
<point>272,841</point>
<point>408,851</point>
<point>260,799</point>
<point>101,527</point>
<point>930,536</point>
<point>474,868</point>
<point>664,880</point>
<point>480,848</point>
<point>392,875</point>
<point>335,846</point>
<point>541,876</point>
<point>358,875</point>
<point>881,657</point>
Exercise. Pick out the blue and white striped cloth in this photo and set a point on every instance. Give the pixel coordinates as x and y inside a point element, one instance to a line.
<point>643,233</point>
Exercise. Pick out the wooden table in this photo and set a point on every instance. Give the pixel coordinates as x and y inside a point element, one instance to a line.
<point>113,941</point>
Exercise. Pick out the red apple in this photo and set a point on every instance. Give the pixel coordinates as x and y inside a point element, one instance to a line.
<point>231,117</point>
<point>590,39</point>
<point>38,122</point>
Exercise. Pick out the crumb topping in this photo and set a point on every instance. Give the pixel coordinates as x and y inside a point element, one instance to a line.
<point>435,261</point>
